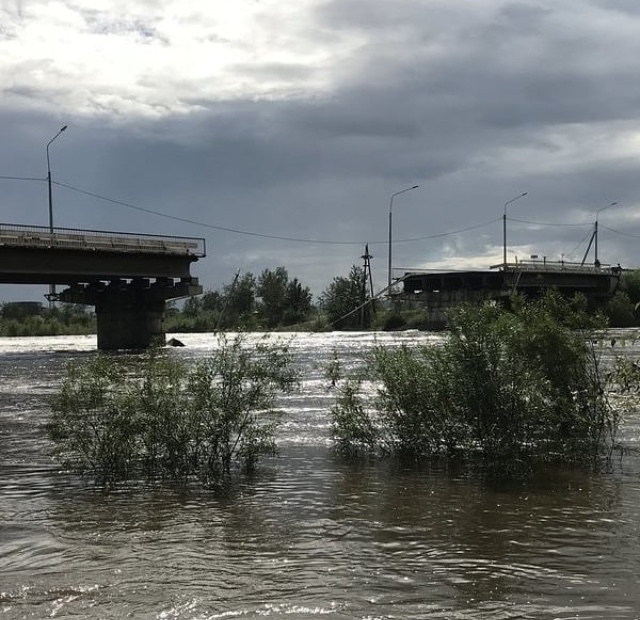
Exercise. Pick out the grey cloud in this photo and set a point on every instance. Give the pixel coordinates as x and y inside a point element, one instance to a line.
<point>627,7</point>
<point>384,16</point>
<point>549,75</point>
<point>100,22</point>
<point>286,71</point>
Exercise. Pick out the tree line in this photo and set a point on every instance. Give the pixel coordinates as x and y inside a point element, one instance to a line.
<point>274,300</point>
<point>271,300</point>
<point>33,319</point>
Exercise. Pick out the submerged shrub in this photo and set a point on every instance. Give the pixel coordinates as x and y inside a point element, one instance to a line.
<point>116,419</point>
<point>504,385</point>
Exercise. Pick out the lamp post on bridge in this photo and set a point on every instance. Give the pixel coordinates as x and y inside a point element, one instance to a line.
<point>504,228</point>
<point>402,191</point>
<point>595,231</point>
<point>52,287</point>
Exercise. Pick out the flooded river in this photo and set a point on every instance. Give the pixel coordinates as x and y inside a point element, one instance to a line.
<point>310,535</point>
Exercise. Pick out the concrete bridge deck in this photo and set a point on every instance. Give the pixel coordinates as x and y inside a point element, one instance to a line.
<point>127,277</point>
<point>34,255</point>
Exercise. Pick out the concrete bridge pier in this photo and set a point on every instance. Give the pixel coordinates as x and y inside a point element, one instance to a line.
<point>440,303</point>
<point>130,314</point>
<point>129,317</point>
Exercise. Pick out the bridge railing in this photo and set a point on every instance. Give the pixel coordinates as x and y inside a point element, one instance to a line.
<point>78,239</point>
<point>540,265</point>
<point>558,266</point>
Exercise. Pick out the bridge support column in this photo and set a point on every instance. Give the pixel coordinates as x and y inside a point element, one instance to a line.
<point>440,303</point>
<point>130,314</point>
<point>129,321</point>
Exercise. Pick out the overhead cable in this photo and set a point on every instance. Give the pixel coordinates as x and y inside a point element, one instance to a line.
<point>14,178</point>
<point>555,225</point>
<point>265,235</point>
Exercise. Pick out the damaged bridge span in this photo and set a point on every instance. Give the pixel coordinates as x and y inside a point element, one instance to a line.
<point>439,291</point>
<point>128,278</point>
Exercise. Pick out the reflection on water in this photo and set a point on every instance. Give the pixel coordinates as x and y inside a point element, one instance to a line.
<point>309,535</point>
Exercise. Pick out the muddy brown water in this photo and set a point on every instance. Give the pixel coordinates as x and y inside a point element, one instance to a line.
<point>310,535</point>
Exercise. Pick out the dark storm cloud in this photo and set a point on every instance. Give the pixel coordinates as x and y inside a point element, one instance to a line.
<point>519,64</point>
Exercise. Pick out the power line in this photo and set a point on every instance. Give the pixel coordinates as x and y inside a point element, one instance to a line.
<point>264,235</point>
<point>451,232</point>
<point>270,236</point>
<point>203,224</point>
<point>575,249</point>
<point>299,239</point>
<point>618,232</point>
<point>548,224</point>
<point>13,178</point>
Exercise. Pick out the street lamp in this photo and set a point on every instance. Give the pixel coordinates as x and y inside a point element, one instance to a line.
<point>595,230</point>
<point>52,287</point>
<point>402,191</point>
<point>504,227</point>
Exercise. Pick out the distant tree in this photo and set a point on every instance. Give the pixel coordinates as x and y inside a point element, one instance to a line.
<point>79,317</point>
<point>20,310</point>
<point>343,296</point>
<point>32,319</point>
<point>630,284</point>
<point>247,303</point>
<point>620,310</point>
<point>239,302</point>
<point>272,291</point>
<point>298,302</point>
<point>192,307</point>
<point>212,301</point>
<point>282,301</point>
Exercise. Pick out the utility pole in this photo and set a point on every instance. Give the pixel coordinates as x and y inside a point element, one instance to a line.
<point>366,300</point>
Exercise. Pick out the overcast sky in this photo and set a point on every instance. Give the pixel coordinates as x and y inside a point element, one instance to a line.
<point>293,124</point>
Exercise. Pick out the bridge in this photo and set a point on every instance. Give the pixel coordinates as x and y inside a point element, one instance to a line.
<point>439,291</point>
<point>128,278</point>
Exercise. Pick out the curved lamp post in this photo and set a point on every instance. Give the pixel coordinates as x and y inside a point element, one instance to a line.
<point>52,287</point>
<point>402,191</point>
<point>49,179</point>
<point>595,230</point>
<point>504,228</point>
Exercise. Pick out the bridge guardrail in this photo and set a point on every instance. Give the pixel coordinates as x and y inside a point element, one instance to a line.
<point>555,266</point>
<point>79,239</point>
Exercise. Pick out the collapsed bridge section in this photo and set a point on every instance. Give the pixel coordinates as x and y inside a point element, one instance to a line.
<point>439,291</point>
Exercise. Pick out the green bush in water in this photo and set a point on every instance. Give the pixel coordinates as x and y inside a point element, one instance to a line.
<point>116,418</point>
<point>504,385</point>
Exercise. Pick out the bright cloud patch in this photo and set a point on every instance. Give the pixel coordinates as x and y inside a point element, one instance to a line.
<point>155,58</point>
